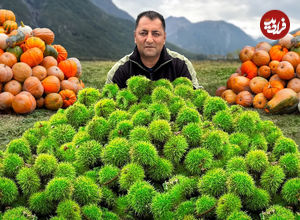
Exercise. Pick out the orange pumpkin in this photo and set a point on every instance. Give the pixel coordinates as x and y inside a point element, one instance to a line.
<point>6,15</point>
<point>40,102</point>
<point>23,103</point>
<point>263,46</point>
<point>261,57</point>
<point>249,69</point>
<point>244,98</point>
<point>9,26</point>
<point>6,99</point>
<point>246,53</point>
<point>229,81</point>
<point>273,65</point>
<point>53,101</point>
<point>62,52</point>
<point>272,88</point>
<point>6,73</point>
<point>40,72</point>
<point>74,79</point>
<point>240,83</point>
<point>294,84</point>
<point>21,71</point>
<point>32,57</point>
<point>13,86</point>
<point>55,71</point>
<point>277,52</point>
<point>275,77</point>
<point>45,34</point>
<point>49,61</point>
<point>259,101</point>
<point>66,84</point>
<point>229,96</point>
<point>257,84</point>
<point>32,42</point>
<point>34,86</point>
<point>8,59</point>
<point>69,68</point>
<point>78,74</point>
<point>285,70</point>
<point>68,96</point>
<point>292,57</point>
<point>264,71</point>
<point>51,84</point>
<point>1,52</point>
<point>220,90</point>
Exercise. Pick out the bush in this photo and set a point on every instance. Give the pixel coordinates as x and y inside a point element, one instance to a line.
<point>241,183</point>
<point>28,180</point>
<point>68,209</point>
<point>130,174</point>
<point>59,189</point>
<point>205,206</point>
<point>198,161</point>
<point>89,96</point>
<point>227,204</point>
<point>272,178</point>
<point>45,164</point>
<point>175,148</point>
<point>9,191</point>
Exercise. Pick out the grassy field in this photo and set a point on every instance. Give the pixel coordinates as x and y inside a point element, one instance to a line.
<point>211,75</point>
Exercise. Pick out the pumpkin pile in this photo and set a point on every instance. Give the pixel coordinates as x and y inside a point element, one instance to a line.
<point>34,72</point>
<point>154,150</point>
<point>268,78</point>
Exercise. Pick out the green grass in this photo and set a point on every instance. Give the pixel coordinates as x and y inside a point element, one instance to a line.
<point>211,75</point>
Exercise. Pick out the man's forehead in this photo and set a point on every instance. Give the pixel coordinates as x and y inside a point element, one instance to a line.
<point>146,23</point>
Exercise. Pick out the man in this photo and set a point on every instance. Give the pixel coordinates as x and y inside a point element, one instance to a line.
<point>150,57</point>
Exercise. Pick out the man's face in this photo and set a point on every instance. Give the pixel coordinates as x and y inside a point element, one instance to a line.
<point>149,37</point>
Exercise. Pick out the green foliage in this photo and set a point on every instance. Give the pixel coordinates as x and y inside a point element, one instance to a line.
<point>291,164</point>
<point>116,117</point>
<point>88,154</point>
<point>227,204</point>
<point>122,130</point>
<point>161,95</point>
<point>130,173</point>
<point>88,96</point>
<point>259,200</point>
<point>212,106</point>
<point>236,164</point>
<point>163,83</point>
<point>58,118</point>
<point>77,115</point>
<point>81,136</point>
<point>175,148</point>
<point>59,189</point>
<point>193,134</point>
<point>258,142</point>
<point>187,115</point>
<point>140,195</point>
<point>175,104</point>
<point>161,170</point>
<point>65,169</point>
<point>28,180</point>
<point>91,212</point>
<point>98,128</point>
<point>20,212</point>
<point>182,81</point>
<point>86,191</point>
<point>213,182</point>
<point>125,99</point>
<point>291,191</point>
<point>141,117</point>
<point>9,191</point>
<point>108,197</point>
<point>215,141</point>
<point>284,145</point>
<point>108,175</point>
<point>39,203</point>
<point>67,152</point>
<point>272,178</point>
<point>160,130</point>
<point>238,215</point>
<point>62,133</point>
<point>257,160</point>
<point>33,137</point>
<point>45,164</point>
<point>241,183</point>
<point>47,145</point>
<point>184,91</point>
<point>12,163</point>
<point>68,209</point>
<point>139,85</point>
<point>200,96</point>
<point>277,212</point>
<point>144,154</point>
<point>159,111</point>
<point>185,208</point>
<point>139,133</point>
<point>110,91</point>
<point>116,152</point>
<point>240,139</point>
<point>270,131</point>
<point>105,107</point>
<point>205,205</point>
<point>19,146</point>
<point>198,161</point>
<point>223,120</point>
<point>161,204</point>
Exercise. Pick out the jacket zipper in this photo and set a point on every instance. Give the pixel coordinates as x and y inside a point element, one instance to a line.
<point>155,69</point>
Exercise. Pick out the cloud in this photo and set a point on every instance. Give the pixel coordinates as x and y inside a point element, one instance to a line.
<point>245,14</point>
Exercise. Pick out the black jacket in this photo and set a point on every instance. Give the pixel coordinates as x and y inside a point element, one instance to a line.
<point>170,65</point>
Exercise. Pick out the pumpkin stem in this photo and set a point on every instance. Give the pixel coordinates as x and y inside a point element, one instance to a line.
<point>22,24</point>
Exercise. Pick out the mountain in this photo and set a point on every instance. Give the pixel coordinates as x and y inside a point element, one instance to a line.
<point>110,8</point>
<point>207,37</point>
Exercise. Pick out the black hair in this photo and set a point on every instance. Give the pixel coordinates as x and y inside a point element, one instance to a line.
<point>151,15</point>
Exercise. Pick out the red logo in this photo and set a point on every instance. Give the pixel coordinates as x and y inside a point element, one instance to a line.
<point>275,24</point>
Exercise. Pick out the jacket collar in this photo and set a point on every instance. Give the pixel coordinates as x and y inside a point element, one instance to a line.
<point>163,59</point>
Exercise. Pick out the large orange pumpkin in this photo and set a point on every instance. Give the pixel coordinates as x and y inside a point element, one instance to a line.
<point>6,99</point>
<point>240,83</point>
<point>45,34</point>
<point>244,98</point>
<point>229,96</point>
<point>259,101</point>
<point>264,71</point>
<point>275,77</point>
<point>69,68</point>
<point>249,69</point>
<point>8,59</point>
<point>32,42</point>
<point>261,57</point>
<point>229,81</point>
<point>294,84</point>
<point>273,65</point>
<point>285,70</point>
<point>40,72</point>
<point>34,86</point>
<point>21,71</point>
<point>13,86</point>
<point>53,101</point>
<point>51,84</point>
<point>49,61</point>
<point>62,52</point>
<point>257,84</point>
<point>6,15</point>
<point>55,71</point>
<point>272,88</point>
<point>32,57</point>
<point>263,46</point>
<point>277,52</point>
<point>66,84</point>
<point>68,96</point>
<point>23,103</point>
<point>78,74</point>
<point>6,73</point>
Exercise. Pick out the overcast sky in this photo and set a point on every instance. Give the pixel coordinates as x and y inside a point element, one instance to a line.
<point>245,14</point>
